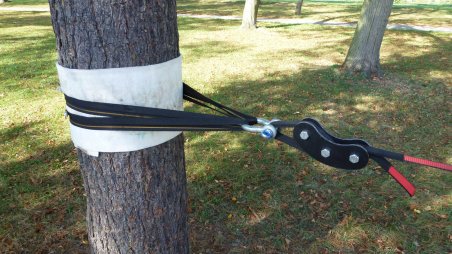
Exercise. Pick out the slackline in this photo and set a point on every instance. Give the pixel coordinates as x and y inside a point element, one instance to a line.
<point>308,135</point>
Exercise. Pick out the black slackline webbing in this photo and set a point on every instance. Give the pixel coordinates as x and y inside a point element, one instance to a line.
<point>110,116</point>
<point>126,117</point>
<point>194,96</point>
<point>157,124</point>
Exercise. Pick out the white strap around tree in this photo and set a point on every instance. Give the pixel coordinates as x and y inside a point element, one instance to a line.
<point>158,86</point>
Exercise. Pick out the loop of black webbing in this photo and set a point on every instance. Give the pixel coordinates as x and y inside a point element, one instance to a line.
<point>110,116</point>
<point>194,96</point>
<point>157,124</point>
<point>129,118</point>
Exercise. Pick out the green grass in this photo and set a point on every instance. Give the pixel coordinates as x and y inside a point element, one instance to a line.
<point>333,11</point>
<point>247,195</point>
<point>26,2</point>
<point>430,15</point>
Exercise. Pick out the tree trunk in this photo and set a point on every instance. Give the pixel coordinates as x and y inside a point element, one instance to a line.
<point>364,53</point>
<point>136,201</point>
<point>249,18</point>
<point>298,8</point>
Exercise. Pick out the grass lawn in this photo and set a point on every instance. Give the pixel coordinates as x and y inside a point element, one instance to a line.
<point>333,11</point>
<point>431,15</point>
<point>247,195</point>
<point>26,3</point>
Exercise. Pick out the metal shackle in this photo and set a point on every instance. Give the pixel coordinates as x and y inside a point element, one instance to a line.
<point>266,129</point>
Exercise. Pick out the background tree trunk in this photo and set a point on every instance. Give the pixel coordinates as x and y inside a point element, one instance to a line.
<point>136,201</point>
<point>298,7</point>
<point>249,18</point>
<point>364,53</point>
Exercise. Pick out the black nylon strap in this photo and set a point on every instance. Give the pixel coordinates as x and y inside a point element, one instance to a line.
<point>383,153</point>
<point>129,118</point>
<point>192,93</point>
<point>156,124</point>
<point>288,140</point>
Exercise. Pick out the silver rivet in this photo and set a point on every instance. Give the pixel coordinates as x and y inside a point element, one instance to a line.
<point>325,153</point>
<point>304,135</point>
<point>353,158</point>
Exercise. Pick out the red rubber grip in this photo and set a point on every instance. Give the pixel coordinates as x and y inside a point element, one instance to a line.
<point>402,181</point>
<point>427,163</point>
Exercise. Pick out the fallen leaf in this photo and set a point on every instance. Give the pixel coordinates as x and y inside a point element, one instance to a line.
<point>287,241</point>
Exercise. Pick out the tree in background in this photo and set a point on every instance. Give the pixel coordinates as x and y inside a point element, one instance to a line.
<point>298,7</point>
<point>249,18</point>
<point>136,201</point>
<point>364,53</point>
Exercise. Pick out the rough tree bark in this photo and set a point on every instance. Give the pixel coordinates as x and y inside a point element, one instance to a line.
<point>364,53</point>
<point>249,19</point>
<point>298,7</point>
<point>136,201</point>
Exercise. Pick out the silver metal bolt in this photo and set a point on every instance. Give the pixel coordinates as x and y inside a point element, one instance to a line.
<point>268,133</point>
<point>304,135</point>
<point>353,158</point>
<point>325,152</point>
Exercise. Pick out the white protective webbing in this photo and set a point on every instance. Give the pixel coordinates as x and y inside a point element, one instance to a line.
<point>157,86</point>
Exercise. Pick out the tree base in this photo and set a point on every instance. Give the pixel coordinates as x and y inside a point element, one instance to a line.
<point>248,26</point>
<point>363,56</point>
<point>363,68</point>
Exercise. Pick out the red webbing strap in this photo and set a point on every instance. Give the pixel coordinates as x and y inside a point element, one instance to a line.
<point>386,165</point>
<point>427,163</point>
<point>402,181</point>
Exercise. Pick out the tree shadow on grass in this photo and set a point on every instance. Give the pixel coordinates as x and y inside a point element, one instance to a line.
<point>195,24</point>
<point>25,54</point>
<point>13,132</point>
<point>33,61</point>
<point>26,2</point>
<point>21,19</point>
<point>269,181</point>
<point>417,62</point>
<point>433,7</point>
<point>248,195</point>
<point>211,49</point>
<point>226,8</point>
<point>42,208</point>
